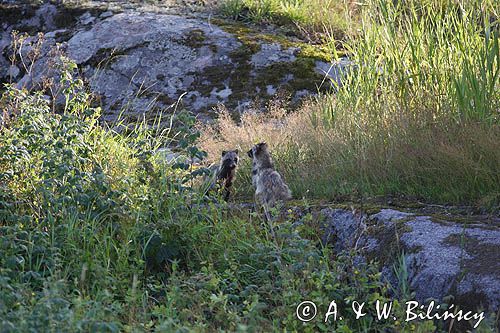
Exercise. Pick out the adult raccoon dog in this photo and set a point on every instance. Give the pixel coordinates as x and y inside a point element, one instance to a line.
<point>269,186</point>
<point>224,173</point>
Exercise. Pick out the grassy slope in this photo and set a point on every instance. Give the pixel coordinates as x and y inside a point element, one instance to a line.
<point>98,234</point>
<point>417,114</point>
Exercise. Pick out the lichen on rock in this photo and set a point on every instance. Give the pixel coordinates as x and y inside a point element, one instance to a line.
<point>149,60</point>
<point>442,258</point>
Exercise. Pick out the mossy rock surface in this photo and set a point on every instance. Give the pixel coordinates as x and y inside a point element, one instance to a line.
<point>144,62</point>
<point>452,256</point>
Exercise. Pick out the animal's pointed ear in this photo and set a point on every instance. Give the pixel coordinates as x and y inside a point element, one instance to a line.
<point>224,152</point>
<point>262,146</point>
<point>249,153</point>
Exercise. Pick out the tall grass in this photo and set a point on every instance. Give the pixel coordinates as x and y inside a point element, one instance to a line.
<point>436,59</point>
<point>417,113</point>
<point>425,96</point>
<point>311,17</point>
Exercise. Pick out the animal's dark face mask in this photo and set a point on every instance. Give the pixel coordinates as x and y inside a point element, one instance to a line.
<point>230,159</point>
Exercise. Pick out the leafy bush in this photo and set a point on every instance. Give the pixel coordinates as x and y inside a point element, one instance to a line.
<point>77,204</point>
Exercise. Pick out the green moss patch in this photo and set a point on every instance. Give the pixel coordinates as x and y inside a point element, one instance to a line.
<point>485,255</point>
<point>249,83</point>
<point>194,38</point>
<point>388,238</point>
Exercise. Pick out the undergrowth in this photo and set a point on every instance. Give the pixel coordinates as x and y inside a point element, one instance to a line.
<point>100,234</point>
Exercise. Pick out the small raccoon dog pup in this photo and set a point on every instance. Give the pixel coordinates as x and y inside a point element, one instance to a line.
<point>269,185</point>
<point>225,172</point>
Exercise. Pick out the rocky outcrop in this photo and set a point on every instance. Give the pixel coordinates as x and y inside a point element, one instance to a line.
<point>441,257</point>
<point>140,62</point>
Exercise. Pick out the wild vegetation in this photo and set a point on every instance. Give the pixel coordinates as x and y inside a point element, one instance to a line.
<point>310,18</point>
<point>417,113</point>
<point>99,233</point>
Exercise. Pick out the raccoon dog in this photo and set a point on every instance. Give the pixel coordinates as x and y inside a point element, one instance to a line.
<point>225,172</point>
<point>269,185</point>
